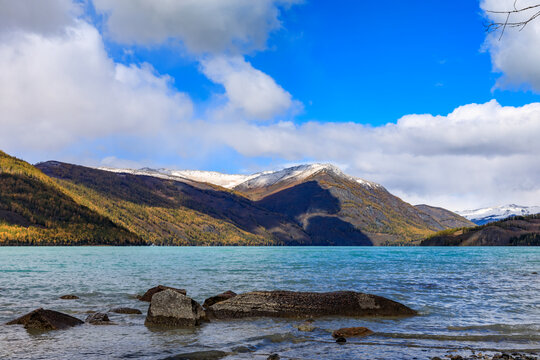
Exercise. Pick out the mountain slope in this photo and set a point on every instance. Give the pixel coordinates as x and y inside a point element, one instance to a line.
<point>487,215</point>
<point>165,211</point>
<point>445,217</point>
<point>34,210</point>
<point>331,205</point>
<point>519,230</point>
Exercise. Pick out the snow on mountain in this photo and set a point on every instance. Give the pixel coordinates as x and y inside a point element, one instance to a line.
<point>212,177</point>
<point>490,214</point>
<point>261,179</point>
<point>225,180</point>
<point>297,173</point>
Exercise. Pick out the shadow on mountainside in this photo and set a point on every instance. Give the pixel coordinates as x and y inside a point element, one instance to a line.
<point>317,209</point>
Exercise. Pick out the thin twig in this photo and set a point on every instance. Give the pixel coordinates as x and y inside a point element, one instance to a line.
<point>494,26</point>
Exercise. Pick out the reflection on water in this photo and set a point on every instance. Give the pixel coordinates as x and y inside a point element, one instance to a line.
<point>483,299</point>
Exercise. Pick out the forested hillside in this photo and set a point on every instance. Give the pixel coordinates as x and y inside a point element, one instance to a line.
<point>175,213</point>
<point>514,231</point>
<point>35,211</point>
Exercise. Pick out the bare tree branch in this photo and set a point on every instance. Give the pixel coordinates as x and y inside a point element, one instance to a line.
<point>494,25</point>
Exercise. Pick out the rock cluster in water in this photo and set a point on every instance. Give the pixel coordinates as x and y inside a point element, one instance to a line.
<point>171,307</point>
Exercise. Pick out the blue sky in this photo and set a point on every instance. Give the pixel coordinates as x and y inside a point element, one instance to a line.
<point>413,95</point>
<point>357,61</point>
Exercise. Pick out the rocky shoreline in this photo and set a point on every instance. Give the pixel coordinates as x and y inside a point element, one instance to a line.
<point>170,307</point>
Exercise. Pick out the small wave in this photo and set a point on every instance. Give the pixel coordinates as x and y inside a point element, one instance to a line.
<point>468,338</point>
<point>501,328</point>
<point>279,338</point>
<point>23,271</point>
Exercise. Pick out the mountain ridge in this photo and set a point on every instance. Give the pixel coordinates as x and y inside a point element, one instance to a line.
<point>512,231</point>
<point>313,204</point>
<point>486,215</point>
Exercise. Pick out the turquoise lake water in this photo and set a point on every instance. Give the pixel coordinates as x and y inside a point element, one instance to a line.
<point>482,299</point>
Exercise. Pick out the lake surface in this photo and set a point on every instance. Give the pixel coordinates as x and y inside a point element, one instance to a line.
<point>484,299</point>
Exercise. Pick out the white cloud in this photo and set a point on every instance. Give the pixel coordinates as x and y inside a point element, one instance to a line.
<point>204,26</point>
<point>43,16</point>
<point>209,29</point>
<point>249,92</point>
<point>516,54</point>
<point>56,90</point>
<point>480,154</point>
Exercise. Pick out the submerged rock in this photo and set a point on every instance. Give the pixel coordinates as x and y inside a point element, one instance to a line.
<point>289,304</point>
<point>126,310</point>
<point>352,332</point>
<point>306,326</point>
<point>69,297</point>
<point>171,308</point>
<point>199,355</point>
<point>41,319</point>
<point>273,357</point>
<point>341,340</point>
<point>98,319</point>
<point>218,298</point>
<point>156,289</point>
<point>243,349</point>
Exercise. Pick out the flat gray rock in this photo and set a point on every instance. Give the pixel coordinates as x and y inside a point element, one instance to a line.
<point>289,304</point>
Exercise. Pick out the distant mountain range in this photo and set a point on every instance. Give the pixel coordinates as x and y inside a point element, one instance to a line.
<point>512,231</point>
<point>58,203</point>
<point>491,214</point>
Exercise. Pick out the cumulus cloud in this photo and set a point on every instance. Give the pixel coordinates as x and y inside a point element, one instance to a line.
<point>218,33</point>
<point>203,26</point>
<point>59,89</point>
<point>249,91</point>
<point>516,54</point>
<point>478,155</point>
<point>43,16</point>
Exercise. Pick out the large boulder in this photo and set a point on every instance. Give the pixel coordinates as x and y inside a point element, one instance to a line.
<point>218,298</point>
<point>150,292</point>
<point>41,319</point>
<point>289,304</point>
<point>171,308</point>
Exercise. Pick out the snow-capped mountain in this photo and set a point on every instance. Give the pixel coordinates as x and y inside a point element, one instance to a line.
<point>225,180</point>
<point>490,214</point>
<point>230,181</point>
